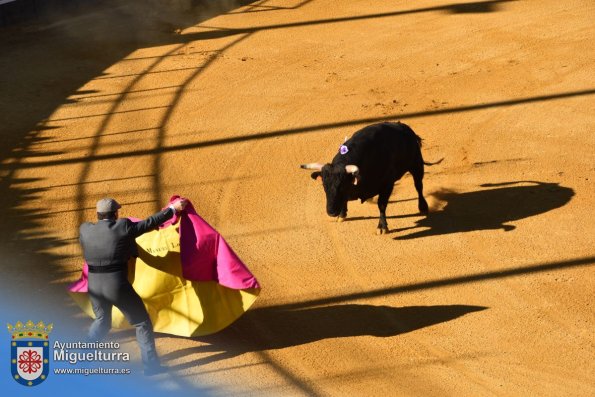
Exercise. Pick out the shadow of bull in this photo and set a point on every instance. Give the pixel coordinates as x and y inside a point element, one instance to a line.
<point>489,209</point>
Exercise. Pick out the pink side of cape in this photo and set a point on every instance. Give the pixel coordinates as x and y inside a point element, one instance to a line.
<point>204,253</point>
<point>81,285</point>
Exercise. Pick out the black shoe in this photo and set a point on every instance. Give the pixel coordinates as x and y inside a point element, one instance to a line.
<point>154,370</point>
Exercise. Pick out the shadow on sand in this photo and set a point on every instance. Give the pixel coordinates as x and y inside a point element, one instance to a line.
<point>489,209</point>
<point>274,328</point>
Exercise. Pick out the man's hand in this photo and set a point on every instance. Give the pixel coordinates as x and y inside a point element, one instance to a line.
<point>179,204</point>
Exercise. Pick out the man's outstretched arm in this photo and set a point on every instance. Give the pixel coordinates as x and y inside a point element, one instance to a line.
<point>139,228</point>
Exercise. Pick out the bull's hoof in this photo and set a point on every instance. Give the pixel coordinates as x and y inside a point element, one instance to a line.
<point>381,230</point>
<point>340,218</point>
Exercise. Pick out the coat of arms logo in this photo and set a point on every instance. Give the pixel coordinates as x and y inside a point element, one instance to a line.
<point>30,358</point>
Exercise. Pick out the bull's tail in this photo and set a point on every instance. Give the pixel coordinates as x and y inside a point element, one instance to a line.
<point>419,139</point>
<point>434,163</point>
<point>419,142</point>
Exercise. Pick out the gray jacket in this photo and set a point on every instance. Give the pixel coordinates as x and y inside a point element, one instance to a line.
<point>111,242</point>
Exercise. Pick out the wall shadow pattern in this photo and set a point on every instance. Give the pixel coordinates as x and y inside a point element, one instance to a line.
<point>35,83</point>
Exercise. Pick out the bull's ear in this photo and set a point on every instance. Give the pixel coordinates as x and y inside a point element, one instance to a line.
<point>317,176</point>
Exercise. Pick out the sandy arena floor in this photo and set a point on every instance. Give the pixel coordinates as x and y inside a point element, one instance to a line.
<point>491,294</point>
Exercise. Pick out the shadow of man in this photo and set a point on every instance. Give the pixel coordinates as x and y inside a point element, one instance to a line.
<point>270,328</point>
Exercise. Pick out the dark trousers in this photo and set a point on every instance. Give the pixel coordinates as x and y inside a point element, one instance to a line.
<point>114,289</point>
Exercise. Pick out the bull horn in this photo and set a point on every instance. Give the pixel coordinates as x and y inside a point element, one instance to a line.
<point>312,166</point>
<point>352,169</point>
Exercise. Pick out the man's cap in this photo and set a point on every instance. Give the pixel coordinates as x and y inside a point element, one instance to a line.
<point>108,205</point>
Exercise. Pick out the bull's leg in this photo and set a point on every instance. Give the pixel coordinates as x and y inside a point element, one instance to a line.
<point>343,213</point>
<point>418,176</point>
<point>382,204</point>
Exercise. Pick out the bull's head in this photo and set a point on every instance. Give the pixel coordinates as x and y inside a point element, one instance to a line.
<point>337,181</point>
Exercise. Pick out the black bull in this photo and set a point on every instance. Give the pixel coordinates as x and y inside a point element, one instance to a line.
<point>369,164</point>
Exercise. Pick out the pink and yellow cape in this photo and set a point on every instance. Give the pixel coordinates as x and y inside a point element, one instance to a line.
<point>191,281</point>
